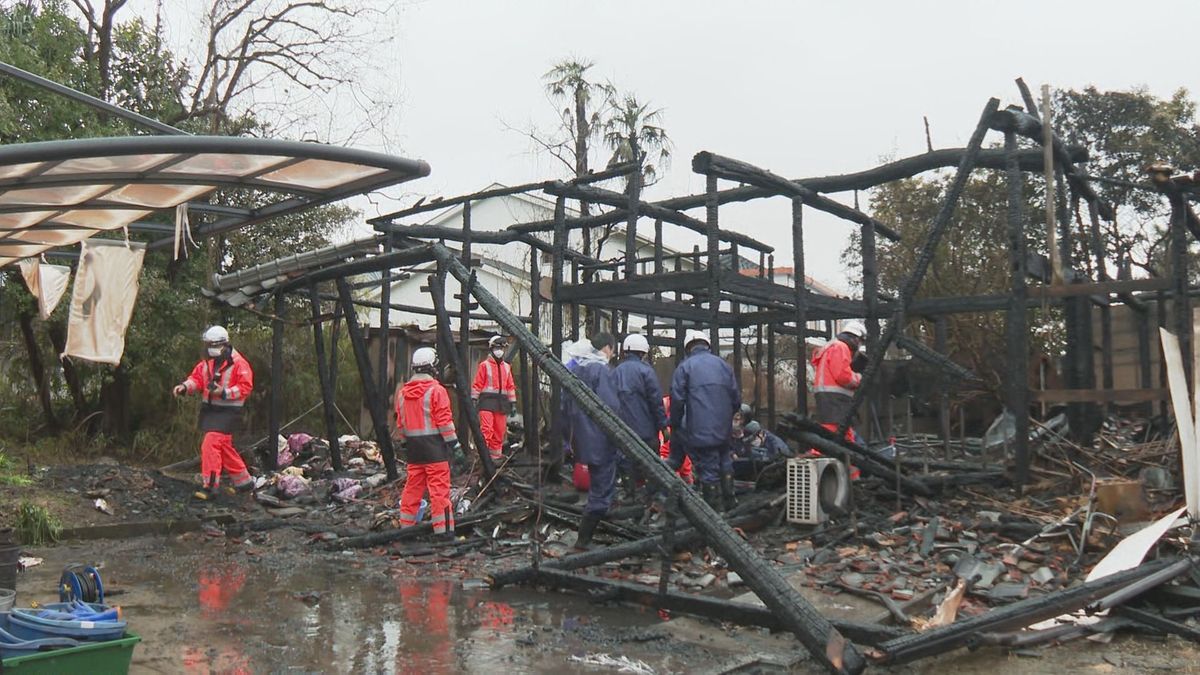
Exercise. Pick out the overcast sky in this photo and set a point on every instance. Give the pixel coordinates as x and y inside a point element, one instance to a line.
<point>802,89</point>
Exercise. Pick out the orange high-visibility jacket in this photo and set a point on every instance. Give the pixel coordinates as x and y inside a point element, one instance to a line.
<point>834,382</point>
<point>494,388</point>
<point>424,421</point>
<point>222,407</point>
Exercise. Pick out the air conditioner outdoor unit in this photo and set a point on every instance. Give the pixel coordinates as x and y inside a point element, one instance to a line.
<point>816,487</point>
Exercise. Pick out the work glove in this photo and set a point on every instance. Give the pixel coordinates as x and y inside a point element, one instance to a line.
<point>179,390</point>
<point>456,451</point>
<point>859,363</point>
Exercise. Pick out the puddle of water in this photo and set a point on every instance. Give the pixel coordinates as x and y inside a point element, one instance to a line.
<point>203,608</point>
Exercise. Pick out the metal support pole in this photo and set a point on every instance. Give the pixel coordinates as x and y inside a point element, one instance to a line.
<point>375,406</point>
<point>328,400</point>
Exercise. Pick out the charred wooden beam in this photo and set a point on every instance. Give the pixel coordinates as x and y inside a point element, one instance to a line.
<point>731,169</point>
<point>406,257</point>
<point>620,201</point>
<point>923,352</point>
<point>325,377</point>
<point>827,646</point>
<point>1019,614</point>
<point>374,401</point>
<point>1030,160</point>
<point>462,387</point>
<point>713,608</point>
<point>637,285</point>
<point>809,434</point>
<point>909,289</point>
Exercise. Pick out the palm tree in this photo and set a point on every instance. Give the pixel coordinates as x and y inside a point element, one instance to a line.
<point>567,82</point>
<point>634,132</point>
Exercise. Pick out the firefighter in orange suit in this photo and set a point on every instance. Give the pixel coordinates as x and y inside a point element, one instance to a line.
<point>425,424</point>
<point>495,394</point>
<point>224,381</point>
<point>835,379</point>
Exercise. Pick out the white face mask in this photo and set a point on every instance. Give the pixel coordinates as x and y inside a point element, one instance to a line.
<point>215,351</point>
<point>498,353</point>
<point>756,442</point>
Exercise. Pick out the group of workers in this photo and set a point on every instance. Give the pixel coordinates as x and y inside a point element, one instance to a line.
<point>701,422</point>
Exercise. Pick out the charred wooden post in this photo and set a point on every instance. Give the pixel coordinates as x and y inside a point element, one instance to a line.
<point>589,317</point>
<point>462,385</point>
<point>533,440</point>
<point>385,323</point>
<point>771,415</point>
<point>1016,329</point>
<point>913,281</point>
<point>939,343</point>
<point>1084,417</point>
<point>711,206</point>
<point>870,282</point>
<point>1181,302</point>
<point>275,412</point>
<point>735,308</point>
<point>556,325</point>
<point>800,287</point>
<point>827,646</point>
<point>464,309</point>
<point>1106,334</point>
<point>374,401</point>
<point>325,376</point>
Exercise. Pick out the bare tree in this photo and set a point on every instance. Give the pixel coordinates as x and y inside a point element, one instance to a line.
<point>99,49</point>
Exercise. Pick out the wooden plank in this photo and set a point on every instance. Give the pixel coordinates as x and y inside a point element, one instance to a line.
<point>1098,395</point>
<point>1102,288</point>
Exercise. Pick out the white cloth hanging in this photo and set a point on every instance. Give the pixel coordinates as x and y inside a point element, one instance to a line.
<point>106,288</point>
<point>48,283</point>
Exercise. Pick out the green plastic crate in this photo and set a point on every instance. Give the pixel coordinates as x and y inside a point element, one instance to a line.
<point>97,658</point>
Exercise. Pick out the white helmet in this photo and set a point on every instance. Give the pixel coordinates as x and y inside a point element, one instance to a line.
<point>694,336</point>
<point>216,335</point>
<point>497,341</point>
<point>424,357</point>
<point>636,342</point>
<point>855,328</point>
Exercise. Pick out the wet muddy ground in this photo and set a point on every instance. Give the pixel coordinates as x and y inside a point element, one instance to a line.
<point>210,604</point>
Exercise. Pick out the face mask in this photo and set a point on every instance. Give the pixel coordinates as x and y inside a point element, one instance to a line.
<point>214,352</point>
<point>756,442</point>
<point>498,353</point>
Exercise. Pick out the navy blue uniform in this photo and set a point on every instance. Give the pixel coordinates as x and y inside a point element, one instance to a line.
<point>704,397</point>
<point>588,441</point>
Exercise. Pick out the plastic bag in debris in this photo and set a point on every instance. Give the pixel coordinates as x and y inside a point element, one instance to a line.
<point>370,452</point>
<point>349,441</point>
<point>1001,432</point>
<point>283,456</point>
<point>292,486</point>
<point>346,489</point>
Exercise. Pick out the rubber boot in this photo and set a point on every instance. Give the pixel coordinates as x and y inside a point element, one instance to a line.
<point>711,493</point>
<point>587,527</point>
<point>728,494</point>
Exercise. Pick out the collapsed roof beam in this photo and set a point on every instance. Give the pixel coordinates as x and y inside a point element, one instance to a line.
<point>438,203</point>
<point>710,164</point>
<point>618,200</point>
<point>1030,160</point>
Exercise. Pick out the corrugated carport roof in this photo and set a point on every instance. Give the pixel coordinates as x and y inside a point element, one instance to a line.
<point>57,193</point>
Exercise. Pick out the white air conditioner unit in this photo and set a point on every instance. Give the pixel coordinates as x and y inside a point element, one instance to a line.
<point>816,487</point>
